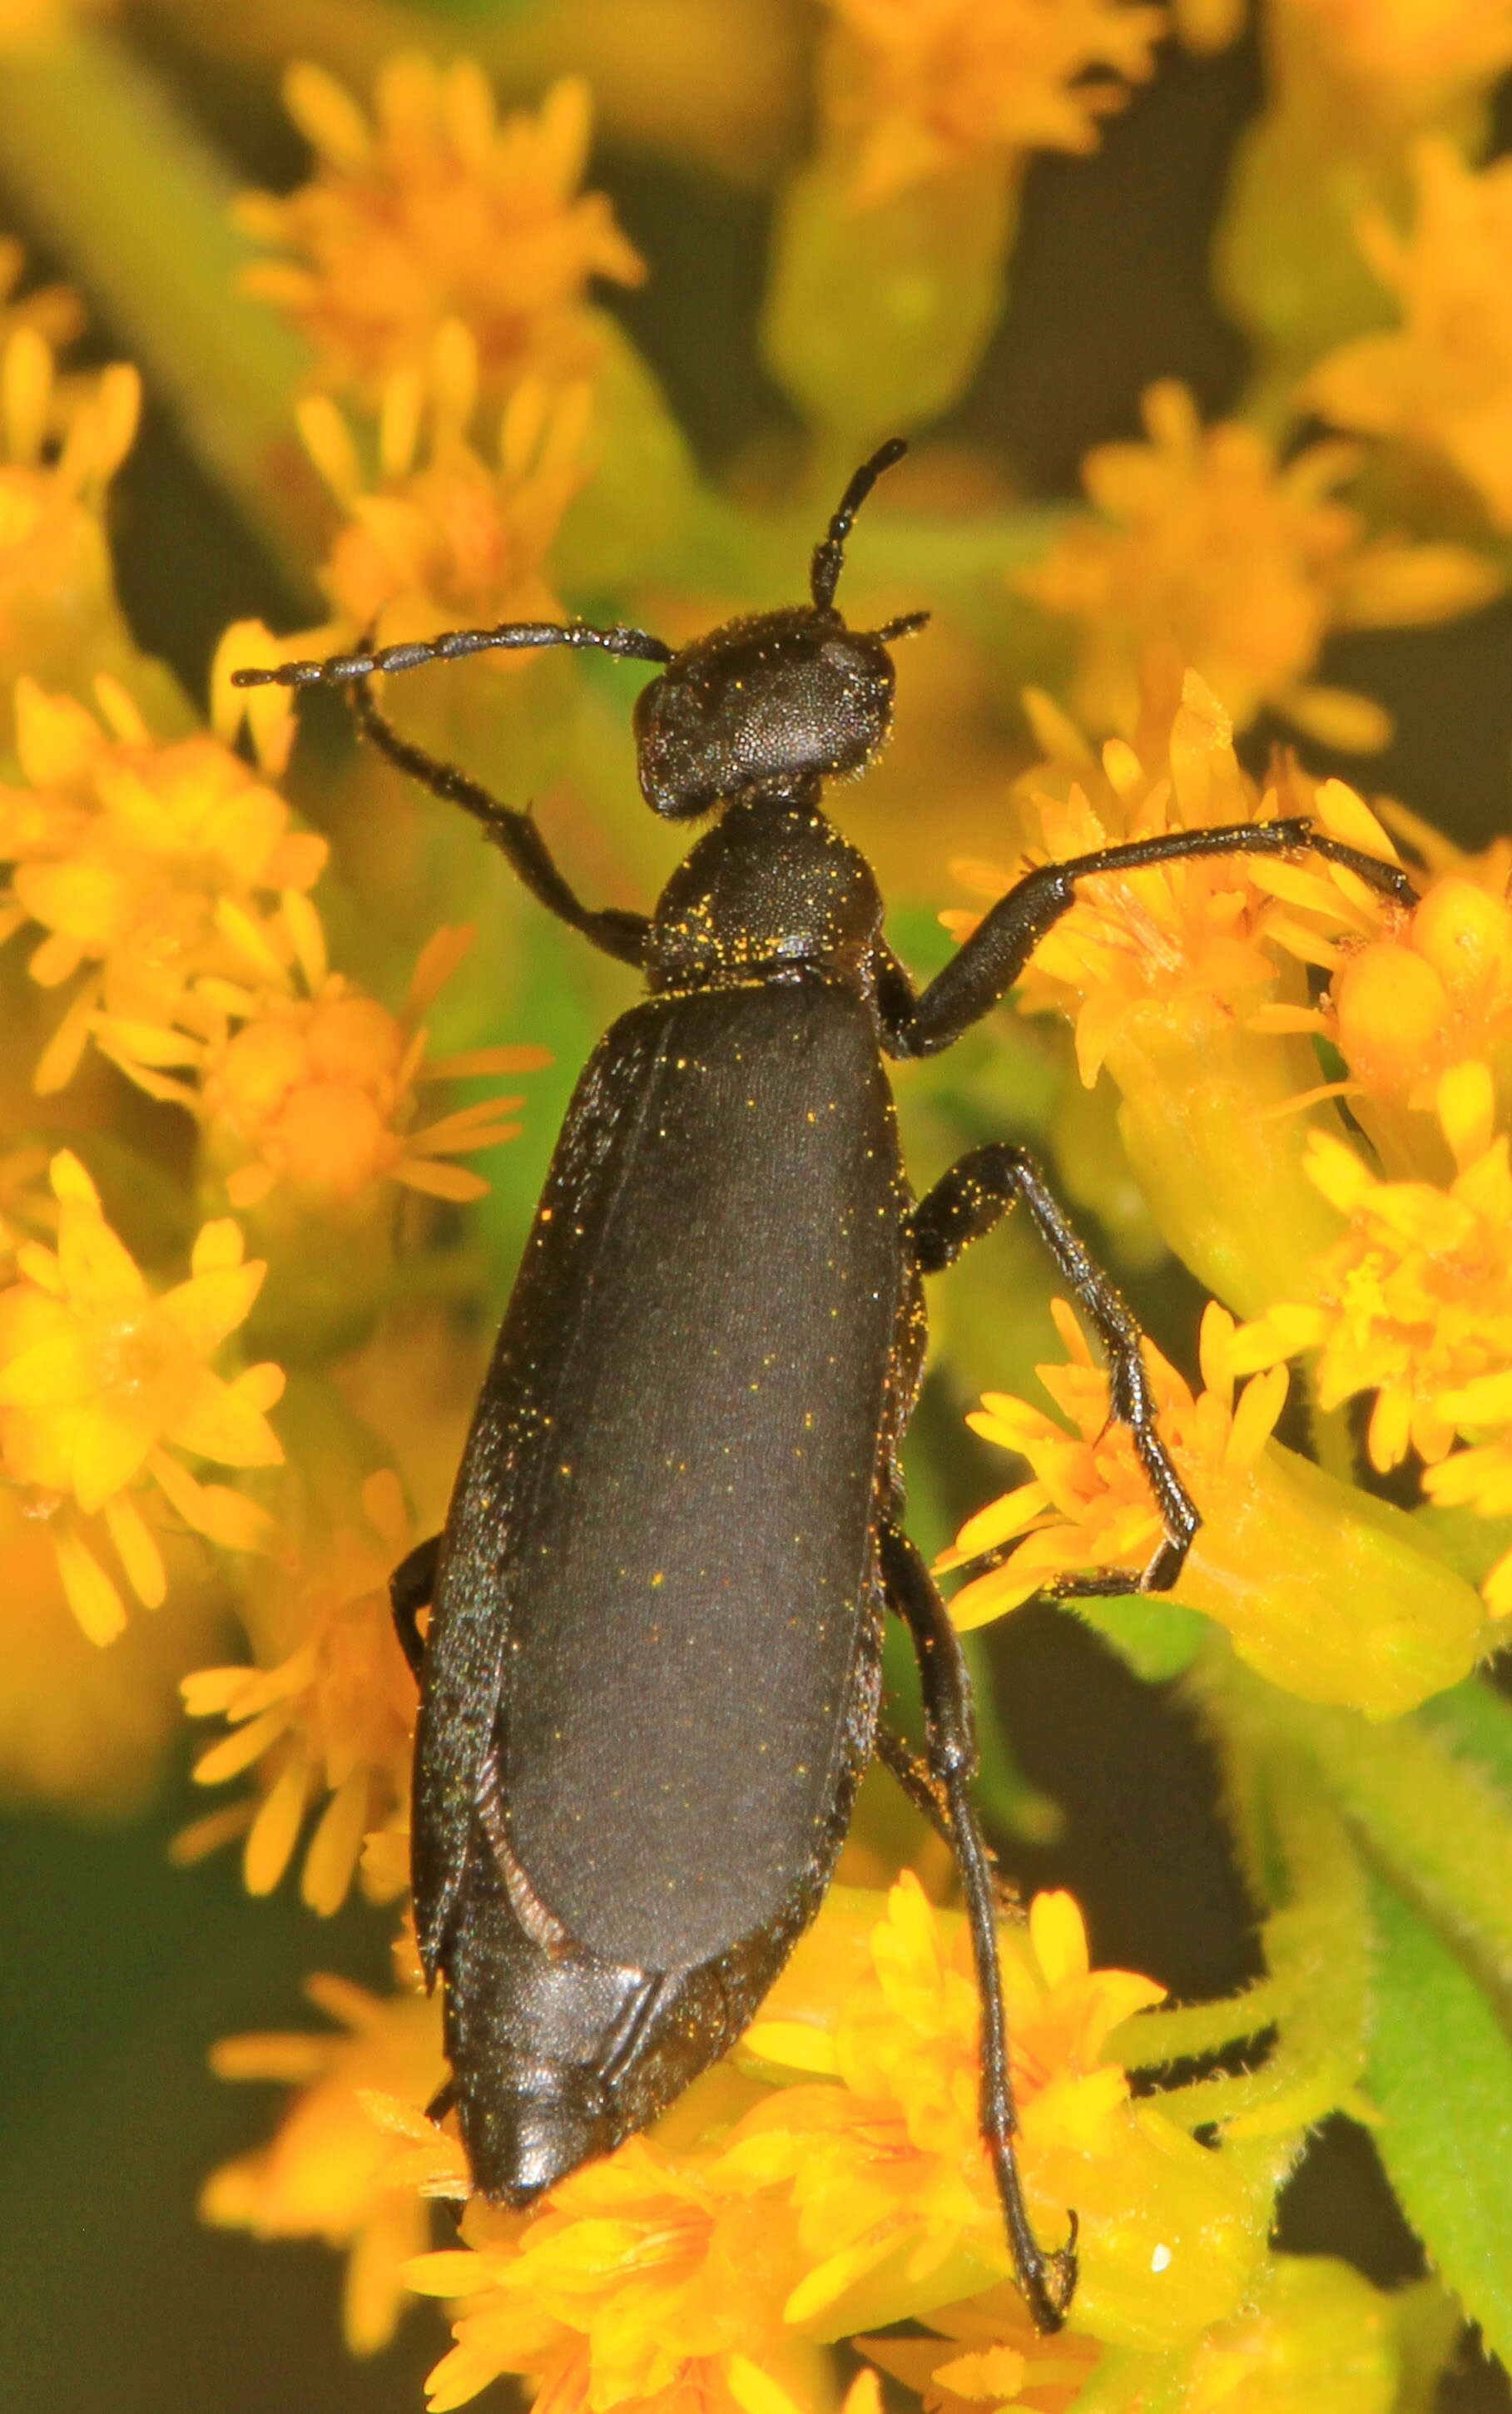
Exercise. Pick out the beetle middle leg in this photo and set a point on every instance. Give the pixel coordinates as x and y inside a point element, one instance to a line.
<point>967,1202</point>
<point>1047,2281</point>
<point>410,1590</point>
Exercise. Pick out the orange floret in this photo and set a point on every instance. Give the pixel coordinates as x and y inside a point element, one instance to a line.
<point>921,84</point>
<point>146,865</point>
<point>436,210</point>
<point>330,1721</point>
<point>1245,564</point>
<point>1441,380</point>
<point>331,2171</point>
<point>315,1088</point>
<point>450,537</point>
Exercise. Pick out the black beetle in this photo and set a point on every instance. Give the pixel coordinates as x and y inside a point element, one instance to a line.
<point>652,1675</point>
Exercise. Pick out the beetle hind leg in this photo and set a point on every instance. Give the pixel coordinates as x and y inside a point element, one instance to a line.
<point>916,1781</point>
<point>1046,2281</point>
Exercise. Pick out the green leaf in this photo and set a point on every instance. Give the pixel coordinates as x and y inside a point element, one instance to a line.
<point>1439,2066</point>
<point>1441,1833</point>
<point>1476,1722</point>
<point>1317,1947</point>
<point>1158,1638</point>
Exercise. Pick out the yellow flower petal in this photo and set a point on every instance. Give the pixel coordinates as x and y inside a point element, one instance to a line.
<point>108,1449</point>
<point>276,1829</point>
<point>92,1597</point>
<point>139,1552</point>
<point>220,1421</point>
<point>213,1303</point>
<point>236,1751</point>
<point>1058,1937</point>
<point>334,1847</point>
<point>755,2392</point>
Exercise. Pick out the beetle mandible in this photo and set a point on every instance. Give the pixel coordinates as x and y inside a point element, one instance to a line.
<point>651,1680</point>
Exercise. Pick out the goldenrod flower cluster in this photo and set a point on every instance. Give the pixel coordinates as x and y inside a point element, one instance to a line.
<point>257,1219</point>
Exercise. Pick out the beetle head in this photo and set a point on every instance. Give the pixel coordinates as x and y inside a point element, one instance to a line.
<point>783,697</point>
<point>776,701</point>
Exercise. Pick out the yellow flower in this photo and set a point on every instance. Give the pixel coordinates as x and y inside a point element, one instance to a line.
<point>1415,57</point>
<point>1315,2338</point>
<point>81,1728</point>
<point>986,2353</point>
<point>57,587</point>
<point>318,1091</point>
<point>639,2279</point>
<point>331,2171</point>
<point>331,1719</point>
<point>437,211</point>
<point>98,1376</point>
<point>921,84</point>
<point>1176,933</point>
<point>1430,996</point>
<point>144,863</point>
<point>1324,1590</point>
<point>1245,564</point>
<point>833,2173</point>
<point>1415,1304</point>
<point>1442,382</point>
<point>450,538</point>
<point>55,312</point>
<point>1186,980</point>
<point>896,2203</point>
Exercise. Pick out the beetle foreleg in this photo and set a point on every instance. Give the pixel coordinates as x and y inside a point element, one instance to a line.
<point>410,1590</point>
<point>619,934</point>
<point>985,967</point>
<point>1047,2281</point>
<point>967,1202</point>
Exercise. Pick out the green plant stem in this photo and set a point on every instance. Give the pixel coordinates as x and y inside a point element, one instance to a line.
<point>94,153</point>
<point>714,81</point>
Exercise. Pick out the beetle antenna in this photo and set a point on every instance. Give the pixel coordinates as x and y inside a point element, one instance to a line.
<point>830,554</point>
<point>341,670</point>
<point>905,625</point>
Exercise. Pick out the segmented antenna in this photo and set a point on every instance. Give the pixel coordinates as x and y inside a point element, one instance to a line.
<point>340,670</point>
<point>830,553</point>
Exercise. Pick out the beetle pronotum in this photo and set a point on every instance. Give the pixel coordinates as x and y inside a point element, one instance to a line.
<point>651,1680</point>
